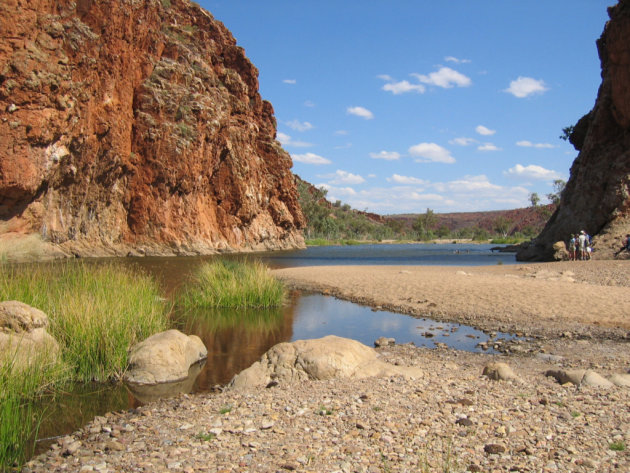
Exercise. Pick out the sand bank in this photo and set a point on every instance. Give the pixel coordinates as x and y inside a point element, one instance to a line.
<point>550,299</point>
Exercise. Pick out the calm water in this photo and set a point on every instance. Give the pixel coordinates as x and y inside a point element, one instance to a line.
<point>234,343</point>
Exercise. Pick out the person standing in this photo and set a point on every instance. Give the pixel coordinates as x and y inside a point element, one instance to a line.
<point>582,245</point>
<point>572,248</point>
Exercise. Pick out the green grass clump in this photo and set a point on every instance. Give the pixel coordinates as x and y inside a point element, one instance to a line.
<point>236,284</point>
<point>96,312</point>
<point>617,446</point>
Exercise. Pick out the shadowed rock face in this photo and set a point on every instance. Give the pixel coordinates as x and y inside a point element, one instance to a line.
<point>597,195</point>
<point>137,126</point>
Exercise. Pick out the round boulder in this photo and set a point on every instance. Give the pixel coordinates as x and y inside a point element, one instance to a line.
<point>164,358</point>
<point>323,358</point>
<point>23,335</point>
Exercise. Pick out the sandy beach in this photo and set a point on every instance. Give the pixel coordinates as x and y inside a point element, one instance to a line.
<point>449,419</point>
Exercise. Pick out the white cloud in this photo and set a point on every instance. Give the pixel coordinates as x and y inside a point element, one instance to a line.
<point>386,77</point>
<point>482,130</point>
<point>402,87</point>
<point>409,194</point>
<point>286,140</point>
<point>529,144</point>
<point>463,141</point>
<point>431,152</point>
<point>360,112</point>
<point>339,178</point>
<point>335,192</point>
<point>488,147</point>
<point>386,155</point>
<point>341,132</point>
<point>533,172</point>
<point>456,60</point>
<point>526,86</point>
<point>445,77</point>
<point>470,184</point>
<point>310,158</point>
<point>406,180</point>
<point>298,125</point>
<point>309,104</point>
<point>289,81</point>
<point>344,146</point>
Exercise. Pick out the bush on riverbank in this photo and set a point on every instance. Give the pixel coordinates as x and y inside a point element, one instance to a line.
<point>236,284</point>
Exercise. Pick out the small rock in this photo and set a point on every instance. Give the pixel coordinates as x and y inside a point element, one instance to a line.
<point>499,372</point>
<point>384,342</point>
<point>493,449</point>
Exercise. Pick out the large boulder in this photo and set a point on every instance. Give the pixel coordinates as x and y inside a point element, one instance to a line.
<point>324,358</point>
<point>164,358</point>
<point>23,335</point>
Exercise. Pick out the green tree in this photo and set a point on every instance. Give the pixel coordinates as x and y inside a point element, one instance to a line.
<point>566,132</point>
<point>502,226</point>
<point>534,199</point>
<point>424,224</point>
<point>558,187</point>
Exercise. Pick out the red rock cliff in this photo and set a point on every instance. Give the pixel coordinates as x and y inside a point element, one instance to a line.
<point>597,195</point>
<point>136,126</point>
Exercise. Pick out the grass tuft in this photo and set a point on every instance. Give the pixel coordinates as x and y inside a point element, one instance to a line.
<point>234,284</point>
<point>96,312</point>
<point>21,385</point>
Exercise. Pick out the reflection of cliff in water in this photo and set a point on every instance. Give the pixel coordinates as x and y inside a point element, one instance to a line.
<point>236,338</point>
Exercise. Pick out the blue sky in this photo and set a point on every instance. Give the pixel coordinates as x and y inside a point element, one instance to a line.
<point>399,106</point>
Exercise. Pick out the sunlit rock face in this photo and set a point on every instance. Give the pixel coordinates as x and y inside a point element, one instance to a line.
<point>597,195</point>
<point>136,126</point>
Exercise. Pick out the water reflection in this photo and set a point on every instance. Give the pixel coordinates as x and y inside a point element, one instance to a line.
<point>235,338</point>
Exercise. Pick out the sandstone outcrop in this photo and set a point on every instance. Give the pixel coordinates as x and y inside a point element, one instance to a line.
<point>324,358</point>
<point>165,357</point>
<point>597,196</point>
<point>131,126</point>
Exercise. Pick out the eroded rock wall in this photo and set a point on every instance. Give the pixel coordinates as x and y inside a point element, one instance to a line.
<point>597,196</point>
<point>136,126</point>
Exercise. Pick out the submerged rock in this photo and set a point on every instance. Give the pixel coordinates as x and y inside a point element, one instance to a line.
<point>324,358</point>
<point>164,357</point>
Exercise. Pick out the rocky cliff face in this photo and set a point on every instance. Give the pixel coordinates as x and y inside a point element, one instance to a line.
<point>136,126</point>
<point>597,195</point>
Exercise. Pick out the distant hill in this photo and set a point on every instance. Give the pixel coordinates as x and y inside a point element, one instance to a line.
<point>529,220</point>
<point>334,220</point>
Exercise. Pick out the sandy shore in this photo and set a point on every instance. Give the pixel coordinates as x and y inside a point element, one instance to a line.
<point>590,297</point>
<point>450,415</point>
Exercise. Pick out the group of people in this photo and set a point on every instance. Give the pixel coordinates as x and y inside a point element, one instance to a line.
<point>580,247</point>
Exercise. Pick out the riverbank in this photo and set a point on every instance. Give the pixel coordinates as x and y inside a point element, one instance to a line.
<point>589,298</point>
<point>452,413</point>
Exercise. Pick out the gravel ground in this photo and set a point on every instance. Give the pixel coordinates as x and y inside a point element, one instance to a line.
<point>452,419</point>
